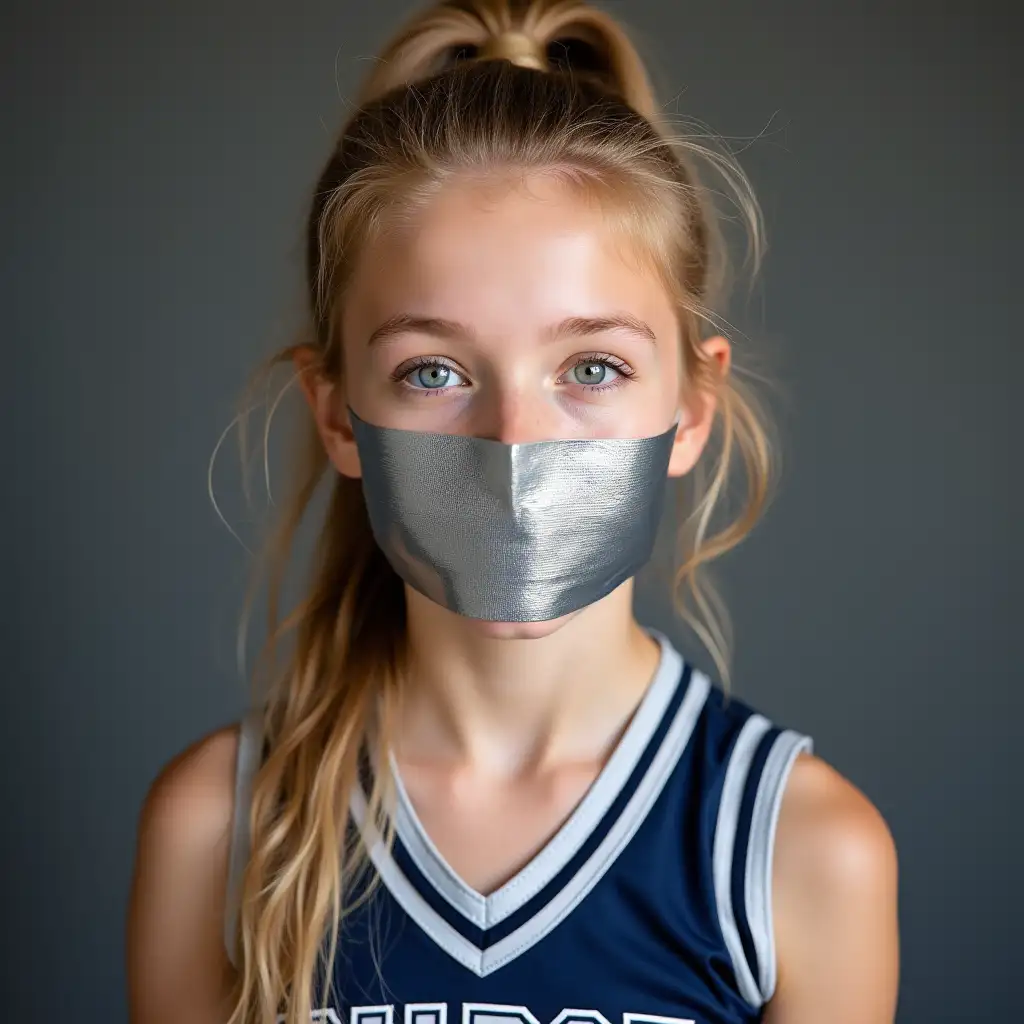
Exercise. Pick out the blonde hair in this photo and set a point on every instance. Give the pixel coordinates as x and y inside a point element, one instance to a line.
<point>468,87</point>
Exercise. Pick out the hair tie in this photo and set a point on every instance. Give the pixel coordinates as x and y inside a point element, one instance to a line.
<point>517,47</point>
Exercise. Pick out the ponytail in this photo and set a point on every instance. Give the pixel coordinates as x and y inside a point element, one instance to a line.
<point>465,85</point>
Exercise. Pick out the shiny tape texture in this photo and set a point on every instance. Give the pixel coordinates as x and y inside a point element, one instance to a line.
<point>512,533</point>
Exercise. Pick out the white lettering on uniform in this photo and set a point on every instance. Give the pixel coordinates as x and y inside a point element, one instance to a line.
<point>647,1018</point>
<point>327,1016</point>
<point>481,1013</point>
<point>372,1015</point>
<point>496,1013</point>
<point>426,1013</point>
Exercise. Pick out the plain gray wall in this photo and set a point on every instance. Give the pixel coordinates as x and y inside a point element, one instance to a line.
<point>157,164</point>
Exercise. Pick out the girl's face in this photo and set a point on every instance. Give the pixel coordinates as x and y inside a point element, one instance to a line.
<point>511,313</point>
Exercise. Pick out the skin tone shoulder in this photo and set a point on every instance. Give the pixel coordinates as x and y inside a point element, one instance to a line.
<point>507,310</point>
<point>177,964</point>
<point>835,904</point>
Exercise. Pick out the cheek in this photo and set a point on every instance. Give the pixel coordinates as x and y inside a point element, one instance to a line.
<point>659,396</point>
<point>368,385</point>
<point>674,371</point>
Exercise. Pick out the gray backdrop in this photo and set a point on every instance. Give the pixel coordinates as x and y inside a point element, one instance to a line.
<point>158,159</point>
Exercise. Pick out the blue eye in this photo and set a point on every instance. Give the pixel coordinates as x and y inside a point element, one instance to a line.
<point>432,377</point>
<point>594,373</point>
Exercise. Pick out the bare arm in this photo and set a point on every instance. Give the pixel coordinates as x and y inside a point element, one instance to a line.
<point>178,970</point>
<point>835,903</point>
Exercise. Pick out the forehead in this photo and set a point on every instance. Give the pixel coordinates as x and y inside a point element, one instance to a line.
<point>500,251</point>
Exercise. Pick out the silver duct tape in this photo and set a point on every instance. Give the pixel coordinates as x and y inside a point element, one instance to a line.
<point>512,533</point>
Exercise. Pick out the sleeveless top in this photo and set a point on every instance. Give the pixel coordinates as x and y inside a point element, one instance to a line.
<point>650,905</point>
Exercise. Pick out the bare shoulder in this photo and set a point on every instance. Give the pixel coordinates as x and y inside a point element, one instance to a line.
<point>191,801</point>
<point>830,835</point>
<point>177,966</point>
<point>835,902</point>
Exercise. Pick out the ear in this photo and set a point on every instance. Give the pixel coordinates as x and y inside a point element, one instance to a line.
<point>329,411</point>
<point>698,410</point>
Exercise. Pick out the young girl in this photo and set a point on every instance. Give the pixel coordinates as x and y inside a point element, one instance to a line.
<point>478,790</point>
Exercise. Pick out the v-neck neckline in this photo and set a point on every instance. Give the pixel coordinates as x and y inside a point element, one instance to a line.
<point>486,911</point>
<point>484,933</point>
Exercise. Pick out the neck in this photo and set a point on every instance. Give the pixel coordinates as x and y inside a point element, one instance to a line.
<point>512,698</point>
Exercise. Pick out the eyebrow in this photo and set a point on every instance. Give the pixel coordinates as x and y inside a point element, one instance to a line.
<point>573,327</point>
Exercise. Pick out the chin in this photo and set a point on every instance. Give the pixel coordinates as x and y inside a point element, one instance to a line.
<point>520,630</point>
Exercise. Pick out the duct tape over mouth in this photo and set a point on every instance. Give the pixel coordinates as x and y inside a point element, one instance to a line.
<point>513,532</point>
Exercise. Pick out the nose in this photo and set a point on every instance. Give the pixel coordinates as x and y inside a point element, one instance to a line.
<point>516,417</point>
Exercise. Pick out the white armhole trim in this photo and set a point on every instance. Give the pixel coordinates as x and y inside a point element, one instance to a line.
<point>757,880</point>
<point>725,846</point>
<point>247,764</point>
<point>757,883</point>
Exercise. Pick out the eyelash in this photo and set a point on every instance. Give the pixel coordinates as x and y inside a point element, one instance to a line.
<point>625,371</point>
<point>416,363</point>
